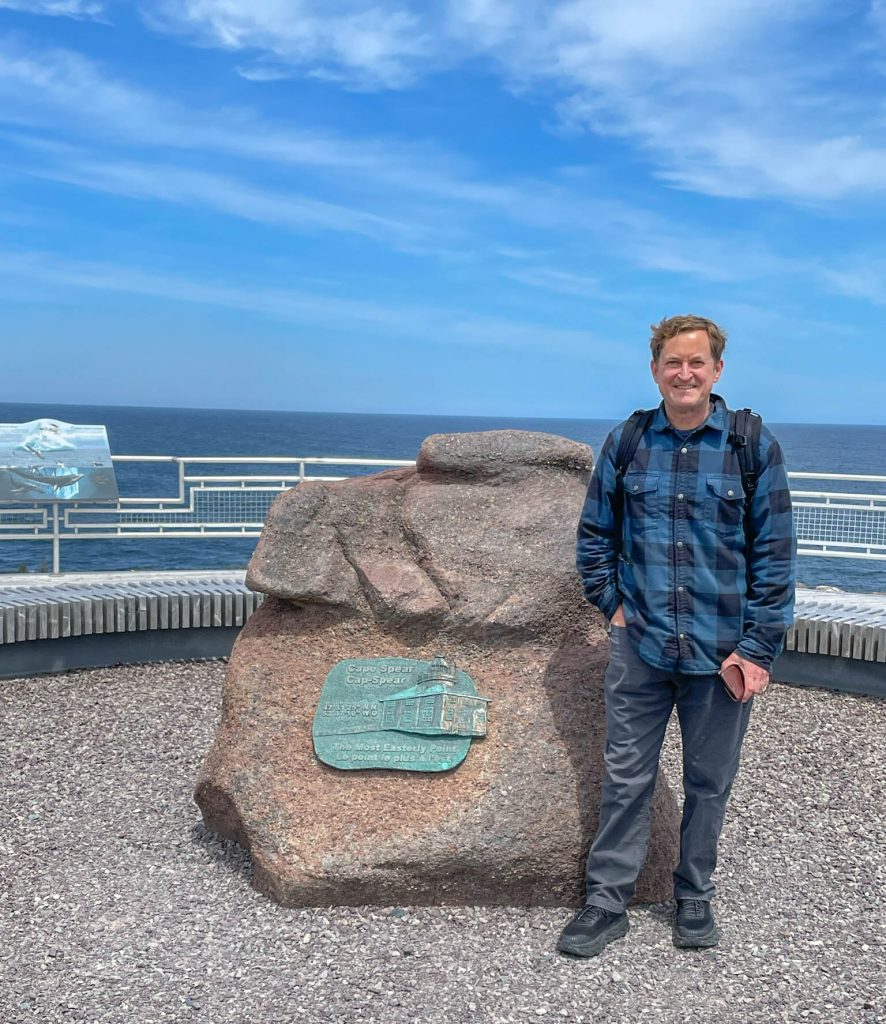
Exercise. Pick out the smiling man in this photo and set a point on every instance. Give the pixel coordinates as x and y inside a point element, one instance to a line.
<point>686,544</point>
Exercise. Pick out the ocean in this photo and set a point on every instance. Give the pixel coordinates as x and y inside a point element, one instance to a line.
<point>204,432</point>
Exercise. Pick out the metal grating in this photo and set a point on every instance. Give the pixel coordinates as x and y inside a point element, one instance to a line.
<point>863,527</point>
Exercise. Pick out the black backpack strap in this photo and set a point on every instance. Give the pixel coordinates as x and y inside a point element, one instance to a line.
<point>635,425</point>
<point>634,428</point>
<point>744,436</point>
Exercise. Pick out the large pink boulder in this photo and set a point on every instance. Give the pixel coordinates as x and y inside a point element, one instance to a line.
<point>470,555</point>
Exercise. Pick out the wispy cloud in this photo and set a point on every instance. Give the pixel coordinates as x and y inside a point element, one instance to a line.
<point>326,311</point>
<point>563,282</point>
<point>858,279</point>
<point>66,92</point>
<point>360,43</point>
<point>724,98</point>
<point>877,15</point>
<point>85,10</point>
<point>411,195</point>
<point>225,194</point>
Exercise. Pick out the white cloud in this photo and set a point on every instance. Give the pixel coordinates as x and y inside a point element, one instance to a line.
<point>368,42</point>
<point>60,88</point>
<point>552,279</point>
<point>723,97</point>
<point>173,184</point>
<point>63,91</point>
<point>263,71</point>
<point>326,311</point>
<point>79,9</point>
<point>412,193</point>
<point>858,279</point>
<point>412,196</point>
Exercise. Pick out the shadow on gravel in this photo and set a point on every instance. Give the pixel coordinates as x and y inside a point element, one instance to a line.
<point>224,852</point>
<point>660,912</point>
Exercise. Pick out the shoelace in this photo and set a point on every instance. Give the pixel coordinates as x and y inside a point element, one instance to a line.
<point>692,908</point>
<point>591,911</point>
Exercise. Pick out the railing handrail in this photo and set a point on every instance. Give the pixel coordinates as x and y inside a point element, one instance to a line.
<point>804,475</point>
<point>287,460</point>
<point>348,460</point>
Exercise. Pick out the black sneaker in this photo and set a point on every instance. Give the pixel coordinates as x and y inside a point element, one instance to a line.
<point>591,930</point>
<point>694,926</point>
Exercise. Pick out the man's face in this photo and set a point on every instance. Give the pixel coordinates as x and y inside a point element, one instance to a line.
<point>685,373</point>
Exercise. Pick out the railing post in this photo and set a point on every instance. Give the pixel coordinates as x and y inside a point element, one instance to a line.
<point>56,541</point>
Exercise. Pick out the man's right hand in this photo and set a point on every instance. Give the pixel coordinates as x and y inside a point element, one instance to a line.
<point>619,618</point>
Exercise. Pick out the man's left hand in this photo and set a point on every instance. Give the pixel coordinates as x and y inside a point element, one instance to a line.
<point>756,679</point>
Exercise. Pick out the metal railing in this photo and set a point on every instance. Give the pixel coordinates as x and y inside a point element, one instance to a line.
<point>849,522</point>
<point>207,504</point>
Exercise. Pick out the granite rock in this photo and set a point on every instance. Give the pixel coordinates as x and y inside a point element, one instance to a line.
<point>478,540</point>
<point>469,555</point>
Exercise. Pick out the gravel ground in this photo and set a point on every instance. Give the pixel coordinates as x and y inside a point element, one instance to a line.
<point>116,905</point>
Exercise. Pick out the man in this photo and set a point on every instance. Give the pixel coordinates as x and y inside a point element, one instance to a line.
<point>692,585</point>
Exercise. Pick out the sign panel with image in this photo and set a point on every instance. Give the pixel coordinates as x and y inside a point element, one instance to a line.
<point>48,460</point>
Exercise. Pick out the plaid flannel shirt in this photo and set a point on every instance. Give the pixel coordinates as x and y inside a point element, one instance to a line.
<point>691,593</point>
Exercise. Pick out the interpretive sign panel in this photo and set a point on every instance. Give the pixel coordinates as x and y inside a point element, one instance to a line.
<point>48,460</point>
<point>397,713</point>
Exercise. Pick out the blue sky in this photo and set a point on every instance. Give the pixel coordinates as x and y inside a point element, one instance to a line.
<point>472,206</point>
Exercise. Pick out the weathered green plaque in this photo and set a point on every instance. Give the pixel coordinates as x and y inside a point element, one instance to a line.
<point>415,716</point>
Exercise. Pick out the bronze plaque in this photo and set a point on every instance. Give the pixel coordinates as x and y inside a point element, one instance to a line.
<point>397,713</point>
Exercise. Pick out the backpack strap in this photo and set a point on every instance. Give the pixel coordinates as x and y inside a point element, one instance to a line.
<point>635,427</point>
<point>744,437</point>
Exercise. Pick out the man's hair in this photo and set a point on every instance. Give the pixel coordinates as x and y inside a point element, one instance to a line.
<point>671,326</point>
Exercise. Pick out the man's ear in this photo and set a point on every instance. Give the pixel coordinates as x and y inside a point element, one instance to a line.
<point>652,367</point>
<point>718,369</point>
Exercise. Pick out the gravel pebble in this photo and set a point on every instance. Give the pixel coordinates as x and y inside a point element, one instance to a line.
<point>117,905</point>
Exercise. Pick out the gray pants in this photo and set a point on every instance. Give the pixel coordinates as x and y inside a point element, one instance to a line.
<point>639,701</point>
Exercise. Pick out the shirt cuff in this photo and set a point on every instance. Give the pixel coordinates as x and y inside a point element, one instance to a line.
<point>750,652</point>
<point>609,601</point>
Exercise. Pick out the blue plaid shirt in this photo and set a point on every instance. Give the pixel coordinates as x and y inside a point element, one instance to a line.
<point>681,569</point>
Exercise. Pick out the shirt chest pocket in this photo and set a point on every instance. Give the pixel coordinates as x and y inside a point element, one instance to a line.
<point>724,505</point>
<point>642,500</point>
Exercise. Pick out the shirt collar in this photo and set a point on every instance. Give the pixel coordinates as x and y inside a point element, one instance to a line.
<point>716,419</point>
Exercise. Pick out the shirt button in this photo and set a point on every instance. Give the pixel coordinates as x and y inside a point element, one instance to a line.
<point>679,543</point>
<point>682,636</point>
<point>680,590</point>
<point>681,496</point>
<point>683,451</point>
<point>730,493</point>
<point>637,488</point>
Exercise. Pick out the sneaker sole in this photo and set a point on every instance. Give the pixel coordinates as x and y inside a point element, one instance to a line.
<point>588,949</point>
<point>696,940</point>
